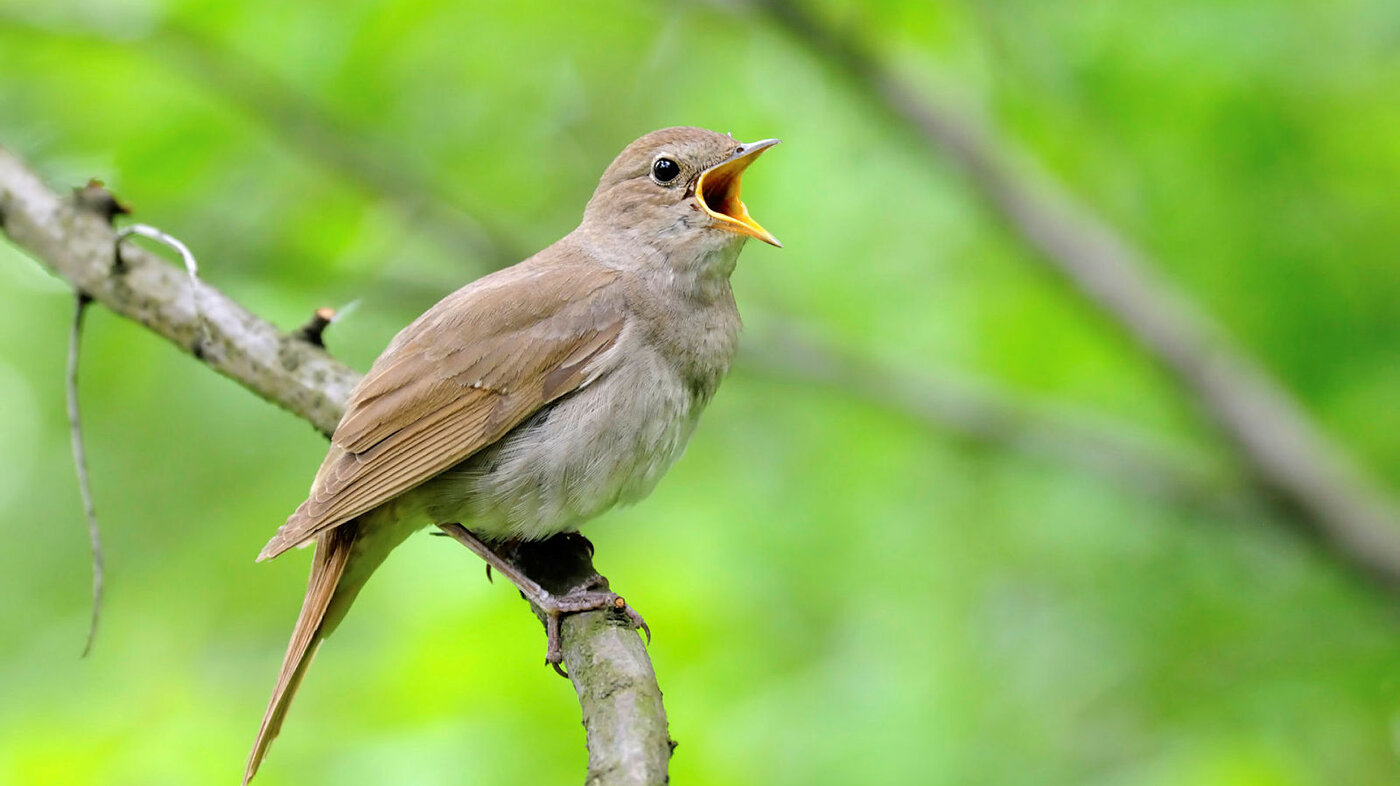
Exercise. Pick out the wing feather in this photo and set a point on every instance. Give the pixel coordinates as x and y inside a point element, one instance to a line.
<point>456,380</point>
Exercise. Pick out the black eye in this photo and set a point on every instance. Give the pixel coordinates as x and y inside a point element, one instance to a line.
<point>664,170</point>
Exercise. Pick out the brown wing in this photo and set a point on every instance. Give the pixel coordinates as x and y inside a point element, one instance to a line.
<point>456,380</point>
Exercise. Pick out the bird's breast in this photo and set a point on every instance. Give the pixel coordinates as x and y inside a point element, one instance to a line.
<point>601,446</point>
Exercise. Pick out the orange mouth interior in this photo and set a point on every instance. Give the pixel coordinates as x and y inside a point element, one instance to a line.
<point>718,192</point>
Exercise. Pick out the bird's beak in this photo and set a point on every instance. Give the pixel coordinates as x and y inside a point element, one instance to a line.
<point>718,191</point>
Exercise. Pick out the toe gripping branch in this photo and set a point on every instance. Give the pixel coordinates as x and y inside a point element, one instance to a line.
<point>558,578</point>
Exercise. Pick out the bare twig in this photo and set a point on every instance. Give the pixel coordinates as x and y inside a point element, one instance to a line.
<point>191,268</point>
<point>313,332</point>
<point>95,198</point>
<point>76,244</point>
<point>75,432</point>
<point>1284,451</point>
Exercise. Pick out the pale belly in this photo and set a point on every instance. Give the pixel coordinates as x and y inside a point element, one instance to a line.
<point>605,445</point>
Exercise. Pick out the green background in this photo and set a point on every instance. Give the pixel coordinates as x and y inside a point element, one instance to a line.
<point>840,593</point>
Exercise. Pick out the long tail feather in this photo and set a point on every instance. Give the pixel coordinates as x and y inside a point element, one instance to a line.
<point>333,551</point>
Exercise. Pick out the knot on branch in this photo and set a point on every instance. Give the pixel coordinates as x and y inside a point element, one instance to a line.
<point>95,198</point>
<point>313,331</point>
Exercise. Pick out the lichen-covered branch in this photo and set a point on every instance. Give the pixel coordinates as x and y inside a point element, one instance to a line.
<point>628,743</point>
<point>80,247</point>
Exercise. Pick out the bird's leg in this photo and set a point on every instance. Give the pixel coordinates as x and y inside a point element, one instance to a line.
<point>589,595</point>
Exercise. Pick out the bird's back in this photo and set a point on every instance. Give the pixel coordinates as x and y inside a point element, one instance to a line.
<point>610,441</point>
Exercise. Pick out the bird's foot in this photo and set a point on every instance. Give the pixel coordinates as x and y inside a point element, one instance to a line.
<point>555,607</point>
<point>590,595</point>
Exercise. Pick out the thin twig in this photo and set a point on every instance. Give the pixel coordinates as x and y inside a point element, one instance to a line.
<point>75,432</point>
<point>191,268</point>
<point>314,331</point>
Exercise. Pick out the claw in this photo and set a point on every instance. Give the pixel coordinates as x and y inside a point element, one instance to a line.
<point>554,647</point>
<point>489,580</point>
<point>633,617</point>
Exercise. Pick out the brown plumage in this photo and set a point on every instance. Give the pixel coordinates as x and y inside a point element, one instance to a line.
<point>536,397</point>
<point>429,401</point>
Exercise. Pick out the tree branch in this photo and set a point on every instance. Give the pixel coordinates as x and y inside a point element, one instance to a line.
<point>980,415</point>
<point>606,661</point>
<point>1284,451</point>
<point>80,247</point>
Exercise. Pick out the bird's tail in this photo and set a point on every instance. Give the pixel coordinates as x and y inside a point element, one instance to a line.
<point>328,595</point>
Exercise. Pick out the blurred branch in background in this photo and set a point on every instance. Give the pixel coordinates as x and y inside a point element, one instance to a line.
<point>1283,450</point>
<point>980,415</point>
<point>315,134</point>
<point>608,665</point>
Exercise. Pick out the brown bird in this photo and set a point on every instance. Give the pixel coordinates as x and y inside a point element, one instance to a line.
<point>539,396</point>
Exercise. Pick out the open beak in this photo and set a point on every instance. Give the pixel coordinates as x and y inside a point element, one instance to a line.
<point>718,191</point>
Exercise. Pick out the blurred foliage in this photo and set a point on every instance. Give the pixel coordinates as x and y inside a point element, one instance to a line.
<point>839,595</point>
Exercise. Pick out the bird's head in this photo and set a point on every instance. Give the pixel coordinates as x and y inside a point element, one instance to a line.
<point>679,185</point>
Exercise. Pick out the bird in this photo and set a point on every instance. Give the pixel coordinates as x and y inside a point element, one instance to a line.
<point>536,397</point>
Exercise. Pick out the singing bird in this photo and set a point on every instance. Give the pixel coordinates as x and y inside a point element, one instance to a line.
<point>539,396</point>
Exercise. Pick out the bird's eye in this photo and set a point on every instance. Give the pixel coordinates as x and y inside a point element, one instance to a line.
<point>664,170</point>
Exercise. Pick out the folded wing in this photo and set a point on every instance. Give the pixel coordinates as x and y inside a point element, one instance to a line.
<point>469,370</point>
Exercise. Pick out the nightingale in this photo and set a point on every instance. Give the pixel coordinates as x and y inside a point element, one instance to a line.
<point>539,396</point>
